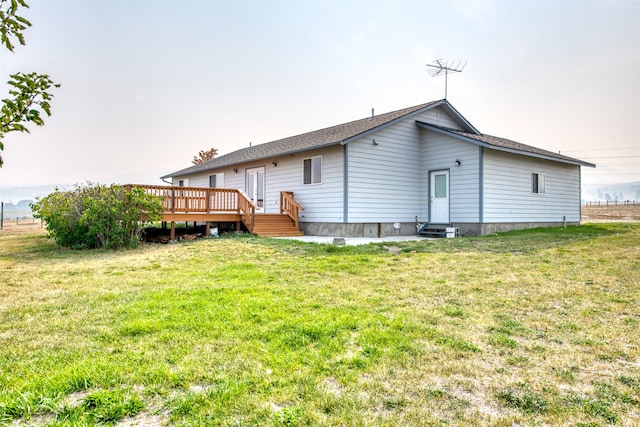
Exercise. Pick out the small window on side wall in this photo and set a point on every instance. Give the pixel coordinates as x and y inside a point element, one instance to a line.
<point>313,170</point>
<point>537,181</point>
<point>212,181</point>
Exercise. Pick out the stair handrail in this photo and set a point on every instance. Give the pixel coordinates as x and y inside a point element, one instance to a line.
<point>247,208</point>
<point>290,207</point>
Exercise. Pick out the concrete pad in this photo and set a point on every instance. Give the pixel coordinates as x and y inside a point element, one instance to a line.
<point>353,241</point>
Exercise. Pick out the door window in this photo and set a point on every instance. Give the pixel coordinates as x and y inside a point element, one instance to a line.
<point>255,186</point>
<point>440,186</point>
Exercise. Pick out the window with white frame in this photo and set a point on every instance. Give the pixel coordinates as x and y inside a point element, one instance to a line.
<point>313,170</point>
<point>537,183</point>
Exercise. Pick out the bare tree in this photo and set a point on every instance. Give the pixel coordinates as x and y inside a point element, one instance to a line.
<point>204,155</point>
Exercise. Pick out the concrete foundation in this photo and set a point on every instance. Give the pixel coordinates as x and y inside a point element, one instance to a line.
<point>376,229</point>
<point>490,228</point>
<point>385,229</point>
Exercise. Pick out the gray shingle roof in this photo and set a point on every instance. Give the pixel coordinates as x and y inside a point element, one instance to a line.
<point>345,132</point>
<point>504,144</point>
<point>311,140</point>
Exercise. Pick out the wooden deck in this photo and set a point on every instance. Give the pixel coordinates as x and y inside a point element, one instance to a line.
<point>226,205</point>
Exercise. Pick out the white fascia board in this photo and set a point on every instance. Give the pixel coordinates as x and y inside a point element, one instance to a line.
<point>503,149</point>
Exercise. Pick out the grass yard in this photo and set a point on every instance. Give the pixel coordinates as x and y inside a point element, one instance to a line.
<point>539,327</point>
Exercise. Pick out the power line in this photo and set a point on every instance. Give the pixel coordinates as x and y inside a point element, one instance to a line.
<point>606,166</point>
<point>618,162</point>
<point>603,149</point>
<point>615,174</point>
<point>612,157</point>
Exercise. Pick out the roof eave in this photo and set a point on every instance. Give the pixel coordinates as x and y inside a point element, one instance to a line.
<point>190,171</point>
<point>459,118</point>
<point>504,149</point>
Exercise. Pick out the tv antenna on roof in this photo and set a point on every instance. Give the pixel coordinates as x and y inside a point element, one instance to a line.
<point>440,67</point>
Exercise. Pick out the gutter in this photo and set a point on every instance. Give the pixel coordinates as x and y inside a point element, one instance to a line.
<point>570,161</point>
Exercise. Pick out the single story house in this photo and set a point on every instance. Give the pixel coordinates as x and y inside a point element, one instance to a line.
<point>385,174</point>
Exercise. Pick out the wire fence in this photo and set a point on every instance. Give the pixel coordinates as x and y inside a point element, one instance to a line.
<point>611,203</point>
<point>19,220</point>
<point>16,217</point>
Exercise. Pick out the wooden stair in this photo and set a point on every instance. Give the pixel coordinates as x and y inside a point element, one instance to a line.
<point>275,225</point>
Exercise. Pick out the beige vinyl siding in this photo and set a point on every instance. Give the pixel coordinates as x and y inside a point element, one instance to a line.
<point>440,153</point>
<point>384,179</point>
<point>387,181</point>
<point>201,179</point>
<point>322,202</point>
<point>516,202</point>
<point>437,116</point>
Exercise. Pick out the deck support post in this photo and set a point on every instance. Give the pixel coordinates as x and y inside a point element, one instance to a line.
<point>173,230</point>
<point>207,229</point>
<point>238,228</point>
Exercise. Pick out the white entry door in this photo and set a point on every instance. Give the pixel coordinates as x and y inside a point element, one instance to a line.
<point>255,186</point>
<point>439,197</point>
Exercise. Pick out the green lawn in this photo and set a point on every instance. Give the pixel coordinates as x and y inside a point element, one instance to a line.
<point>524,328</point>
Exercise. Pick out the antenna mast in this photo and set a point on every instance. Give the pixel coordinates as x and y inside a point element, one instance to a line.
<point>440,67</point>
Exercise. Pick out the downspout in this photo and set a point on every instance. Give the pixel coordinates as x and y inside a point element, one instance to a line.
<point>580,194</point>
<point>345,184</point>
<point>481,186</point>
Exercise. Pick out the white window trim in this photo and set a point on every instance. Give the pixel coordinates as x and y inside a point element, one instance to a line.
<point>321,170</point>
<point>541,178</point>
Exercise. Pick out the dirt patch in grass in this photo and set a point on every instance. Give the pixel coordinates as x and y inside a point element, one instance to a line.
<point>22,227</point>
<point>143,419</point>
<point>608,213</point>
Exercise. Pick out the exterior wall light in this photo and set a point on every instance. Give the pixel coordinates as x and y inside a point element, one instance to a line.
<point>458,162</point>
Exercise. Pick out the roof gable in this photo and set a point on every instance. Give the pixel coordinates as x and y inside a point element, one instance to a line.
<point>334,135</point>
<point>503,144</point>
<point>350,131</point>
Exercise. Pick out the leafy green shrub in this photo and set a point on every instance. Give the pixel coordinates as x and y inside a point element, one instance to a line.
<point>97,216</point>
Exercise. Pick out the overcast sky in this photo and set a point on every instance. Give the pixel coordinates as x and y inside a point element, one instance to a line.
<point>148,84</point>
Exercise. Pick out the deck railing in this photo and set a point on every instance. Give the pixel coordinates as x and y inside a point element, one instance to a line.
<point>193,199</point>
<point>290,207</point>
<point>203,200</point>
